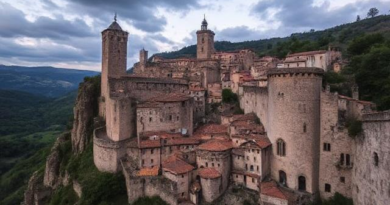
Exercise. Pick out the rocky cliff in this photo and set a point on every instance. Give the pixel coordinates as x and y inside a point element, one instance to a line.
<point>70,143</point>
<point>84,111</point>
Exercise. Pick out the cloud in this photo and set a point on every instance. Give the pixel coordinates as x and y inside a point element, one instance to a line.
<point>142,14</point>
<point>14,24</point>
<point>304,14</point>
<point>238,33</point>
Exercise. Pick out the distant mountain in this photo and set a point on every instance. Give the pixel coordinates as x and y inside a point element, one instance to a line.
<point>339,35</point>
<point>46,81</point>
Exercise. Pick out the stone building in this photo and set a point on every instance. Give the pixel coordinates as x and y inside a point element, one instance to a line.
<point>291,145</point>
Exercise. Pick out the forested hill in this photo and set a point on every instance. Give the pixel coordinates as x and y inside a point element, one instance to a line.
<point>297,42</point>
<point>46,81</point>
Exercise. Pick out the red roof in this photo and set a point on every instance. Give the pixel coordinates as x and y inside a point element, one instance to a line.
<point>177,166</point>
<point>358,101</point>
<point>262,142</point>
<point>150,144</point>
<point>272,189</point>
<point>182,141</point>
<point>209,173</point>
<point>212,129</point>
<point>216,145</point>
<point>307,53</point>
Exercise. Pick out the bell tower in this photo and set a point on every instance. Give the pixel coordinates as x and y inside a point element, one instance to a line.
<point>114,55</point>
<point>205,42</point>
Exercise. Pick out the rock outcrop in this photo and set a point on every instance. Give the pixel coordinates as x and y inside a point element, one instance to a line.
<point>35,193</point>
<point>84,111</point>
<point>52,177</point>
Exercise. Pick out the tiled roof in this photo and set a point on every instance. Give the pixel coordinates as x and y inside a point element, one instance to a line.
<point>212,129</point>
<point>177,166</point>
<point>262,141</point>
<point>182,141</point>
<point>355,100</point>
<point>209,173</point>
<point>271,189</point>
<point>150,144</point>
<point>216,145</point>
<point>307,53</point>
<point>148,171</point>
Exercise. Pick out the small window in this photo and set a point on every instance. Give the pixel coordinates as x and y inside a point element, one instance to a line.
<point>182,176</point>
<point>281,148</point>
<point>177,118</point>
<point>254,158</point>
<point>170,117</point>
<point>376,159</point>
<point>327,147</point>
<point>341,159</point>
<point>328,188</point>
<point>347,159</point>
<point>219,165</point>
<point>207,164</point>
<point>257,168</point>
<point>253,180</point>
<point>236,176</point>
<point>151,161</point>
<point>143,162</point>
<point>150,119</point>
<point>251,167</point>
<point>304,127</point>
<point>342,179</point>
<point>212,164</point>
<point>151,151</point>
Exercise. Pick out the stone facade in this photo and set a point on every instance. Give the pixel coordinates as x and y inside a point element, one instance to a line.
<point>370,174</point>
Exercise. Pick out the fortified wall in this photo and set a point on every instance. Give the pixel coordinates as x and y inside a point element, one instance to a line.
<point>370,184</point>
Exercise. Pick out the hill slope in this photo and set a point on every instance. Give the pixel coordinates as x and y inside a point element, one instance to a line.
<point>339,35</point>
<point>46,81</point>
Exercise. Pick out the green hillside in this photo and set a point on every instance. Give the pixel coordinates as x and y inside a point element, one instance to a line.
<point>339,35</point>
<point>46,81</point>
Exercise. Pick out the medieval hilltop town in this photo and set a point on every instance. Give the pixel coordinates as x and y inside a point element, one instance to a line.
<point>160,127</point>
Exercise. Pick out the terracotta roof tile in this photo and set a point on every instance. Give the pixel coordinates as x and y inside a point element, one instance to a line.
<point>216,145</point>
<point>212,129</point>
<point>183,141</point>
<point>150,144</point>
<point>176,165</point>
<point>148,171</point>
<point>209,173</point>
<point>272,189</point>
<point>307,53</point>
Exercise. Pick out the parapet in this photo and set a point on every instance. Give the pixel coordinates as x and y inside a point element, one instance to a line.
<point>295,71</point>
<point>376,116</point>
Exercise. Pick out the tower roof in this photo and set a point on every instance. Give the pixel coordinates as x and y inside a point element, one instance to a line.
<point>204,24</point>
<point>115,25</point>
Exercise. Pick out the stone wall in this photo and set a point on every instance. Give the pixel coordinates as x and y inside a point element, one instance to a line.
<point>220,161</point>
<point>172,117</point>
<point>334,143</point>
<point>107,153</point>
<point>255,99</point>
<point>120,118</point>
<point>211,189</point>
<point>371,161</point>
<point>294,113</point>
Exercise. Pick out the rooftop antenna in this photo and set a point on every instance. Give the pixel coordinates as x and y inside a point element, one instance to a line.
<point>115,17</point>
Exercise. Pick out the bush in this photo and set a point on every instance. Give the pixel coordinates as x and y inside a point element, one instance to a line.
<point>228,96</point>
<point>354,127</point>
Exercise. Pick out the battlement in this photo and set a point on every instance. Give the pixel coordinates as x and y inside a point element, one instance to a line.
<point>284,72</point>
<point>376,116</point>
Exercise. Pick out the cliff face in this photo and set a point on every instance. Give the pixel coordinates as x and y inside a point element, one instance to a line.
<point>84,111</point>
<point>40,186</point>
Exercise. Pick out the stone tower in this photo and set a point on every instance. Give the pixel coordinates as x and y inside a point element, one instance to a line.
<point>114,53</point>
<point>205,42</point>
<point>143,58</point>
<point>294,131</point>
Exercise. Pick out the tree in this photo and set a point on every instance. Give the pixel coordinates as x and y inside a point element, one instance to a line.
<point>372,12</point>
<point>357,18</point>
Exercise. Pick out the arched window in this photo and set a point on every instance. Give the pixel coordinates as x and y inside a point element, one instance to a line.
<point>301,183</point>
<point>281,148</point>
<point>282,178</point>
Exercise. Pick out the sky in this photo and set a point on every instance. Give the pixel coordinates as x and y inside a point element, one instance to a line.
<point>67,33</point>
